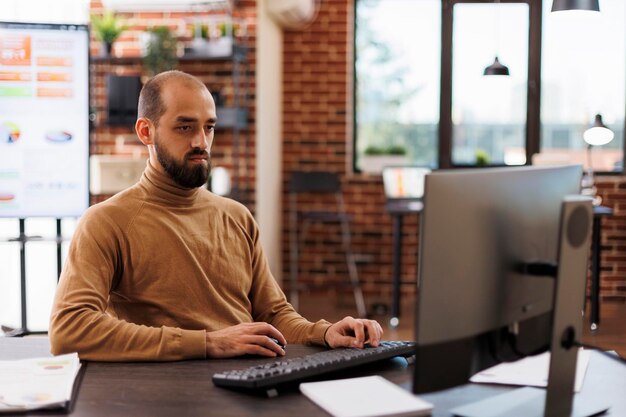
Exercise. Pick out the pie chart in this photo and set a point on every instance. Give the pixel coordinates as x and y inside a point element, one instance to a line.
<point>9,132</point>
<point>58,136</point>
<point>4,197</point>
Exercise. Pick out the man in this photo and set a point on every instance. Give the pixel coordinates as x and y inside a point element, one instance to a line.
<point>167,270</point>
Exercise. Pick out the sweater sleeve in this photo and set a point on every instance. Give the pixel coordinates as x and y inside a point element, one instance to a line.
<point>270,305</point>
<point>80,321</point>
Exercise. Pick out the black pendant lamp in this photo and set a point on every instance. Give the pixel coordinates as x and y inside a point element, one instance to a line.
<point>496,68</point>
<point>563,5</point>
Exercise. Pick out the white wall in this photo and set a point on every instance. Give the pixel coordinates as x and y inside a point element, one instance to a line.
<point>269,42</point>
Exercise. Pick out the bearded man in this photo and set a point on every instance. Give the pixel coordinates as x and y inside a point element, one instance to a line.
<point>167,270</point>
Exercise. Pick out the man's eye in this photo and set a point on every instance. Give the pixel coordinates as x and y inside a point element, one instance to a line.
<point>209,127</point>
<point>184,128</point>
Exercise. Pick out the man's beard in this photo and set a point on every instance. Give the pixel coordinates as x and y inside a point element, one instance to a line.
<point>183,174</point>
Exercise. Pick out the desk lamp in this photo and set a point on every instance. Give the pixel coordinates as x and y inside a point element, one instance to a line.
<point>597,135</point>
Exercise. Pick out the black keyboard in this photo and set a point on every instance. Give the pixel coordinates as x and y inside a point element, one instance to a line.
<point>271,374</point>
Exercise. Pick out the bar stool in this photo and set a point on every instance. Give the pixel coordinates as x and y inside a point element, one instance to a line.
<point>320,182</point>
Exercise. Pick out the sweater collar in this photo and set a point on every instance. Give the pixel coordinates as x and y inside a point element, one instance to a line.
<point>161,186</point>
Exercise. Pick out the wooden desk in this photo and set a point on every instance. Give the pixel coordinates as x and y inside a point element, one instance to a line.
<point>185,388</point>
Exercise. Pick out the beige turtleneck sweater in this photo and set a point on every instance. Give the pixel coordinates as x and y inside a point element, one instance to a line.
<point>155,267</point>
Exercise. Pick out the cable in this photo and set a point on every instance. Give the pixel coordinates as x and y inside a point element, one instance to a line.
<point>615,356</point>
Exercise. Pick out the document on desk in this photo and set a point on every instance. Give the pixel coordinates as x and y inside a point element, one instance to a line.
<point>370,396</point>
<point>30,384</point>
<point>531,371</point>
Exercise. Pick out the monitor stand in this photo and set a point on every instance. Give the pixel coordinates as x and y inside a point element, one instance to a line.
<point>558,399</point>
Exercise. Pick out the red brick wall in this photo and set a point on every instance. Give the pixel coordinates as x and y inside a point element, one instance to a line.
<point>317,134</point>
<point>317,129</point>
<point>217,75</point>
<point>613,255</point>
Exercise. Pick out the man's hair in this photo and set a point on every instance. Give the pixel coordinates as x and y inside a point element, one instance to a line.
<point>150,104</point>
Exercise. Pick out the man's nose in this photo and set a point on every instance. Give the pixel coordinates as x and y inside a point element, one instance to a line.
<point>201,140</point>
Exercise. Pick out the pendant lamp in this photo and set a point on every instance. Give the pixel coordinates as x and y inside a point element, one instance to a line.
<point>496,68</point>
<point>564,5</point>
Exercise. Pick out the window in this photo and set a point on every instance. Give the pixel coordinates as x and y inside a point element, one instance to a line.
<point>41,269</point>
<point>397,77</point>
<point>583,67</point>
<point>419,81</point>
<point>489,112</point>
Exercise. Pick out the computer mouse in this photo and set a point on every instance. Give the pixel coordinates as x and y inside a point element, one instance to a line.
<point>277,342</point>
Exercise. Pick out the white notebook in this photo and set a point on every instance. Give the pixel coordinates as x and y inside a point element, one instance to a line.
<point>370,396</point>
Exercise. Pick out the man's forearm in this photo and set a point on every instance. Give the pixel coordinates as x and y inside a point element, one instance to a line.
<point>100,337</point>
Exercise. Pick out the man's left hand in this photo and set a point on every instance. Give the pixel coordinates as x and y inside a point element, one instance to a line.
<point>351,332</point>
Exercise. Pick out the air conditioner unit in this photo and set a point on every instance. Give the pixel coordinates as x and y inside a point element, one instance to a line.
<point>163,5</point>
<point>292,14</point>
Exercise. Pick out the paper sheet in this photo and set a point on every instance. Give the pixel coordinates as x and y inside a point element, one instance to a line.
<point>29,384</point>
<point>531,371</point>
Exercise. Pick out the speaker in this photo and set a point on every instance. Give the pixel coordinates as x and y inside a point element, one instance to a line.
<point>123,96</point>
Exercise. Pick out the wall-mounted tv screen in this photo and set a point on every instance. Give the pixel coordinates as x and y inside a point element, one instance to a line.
<point>44,120</point>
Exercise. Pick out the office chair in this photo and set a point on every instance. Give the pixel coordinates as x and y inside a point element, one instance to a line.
<point>317,182</point>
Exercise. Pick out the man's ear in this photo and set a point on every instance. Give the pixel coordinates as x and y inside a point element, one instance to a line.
<point>145,130</point>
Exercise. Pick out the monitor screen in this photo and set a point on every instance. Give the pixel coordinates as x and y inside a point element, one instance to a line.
<point>476,306</point>
<point>44,120</point>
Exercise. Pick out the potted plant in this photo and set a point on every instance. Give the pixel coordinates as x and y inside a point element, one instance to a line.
<point>482,158</point>
<point>160,51</point>
<point>107,29</point>
<point>221,41</point>
<point>375,158</point>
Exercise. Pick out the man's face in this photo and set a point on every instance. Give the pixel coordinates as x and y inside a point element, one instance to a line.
<point>184,136</point>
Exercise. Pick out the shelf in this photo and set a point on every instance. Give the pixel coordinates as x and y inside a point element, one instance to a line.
<point>232,117</point>
<point>239,53</point>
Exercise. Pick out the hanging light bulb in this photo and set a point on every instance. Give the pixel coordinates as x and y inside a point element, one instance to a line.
<point>565,5</point>
<point>496,68</point>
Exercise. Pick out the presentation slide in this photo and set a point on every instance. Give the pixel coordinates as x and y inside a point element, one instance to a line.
<point>44,120</point>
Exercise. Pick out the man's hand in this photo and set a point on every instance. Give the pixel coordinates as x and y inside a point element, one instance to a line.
<point>245,339</point>
<point>351,332</point>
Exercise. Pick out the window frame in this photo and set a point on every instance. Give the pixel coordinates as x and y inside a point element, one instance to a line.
<point>533,109</point>
<point>533,93</point>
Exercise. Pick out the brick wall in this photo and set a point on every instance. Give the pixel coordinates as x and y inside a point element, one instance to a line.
<point>613,255</point>
<point>317,133</point>
<point>216,74</point>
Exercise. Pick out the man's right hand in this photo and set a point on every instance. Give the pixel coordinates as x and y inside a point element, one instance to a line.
<point>245,339</point>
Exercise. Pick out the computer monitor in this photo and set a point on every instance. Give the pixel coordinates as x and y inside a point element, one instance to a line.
<point>502,267</point>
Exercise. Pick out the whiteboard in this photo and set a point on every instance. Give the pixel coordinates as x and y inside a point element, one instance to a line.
<point>44,120</point>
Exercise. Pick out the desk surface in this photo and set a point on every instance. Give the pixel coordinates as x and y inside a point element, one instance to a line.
<point>185,388</point>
